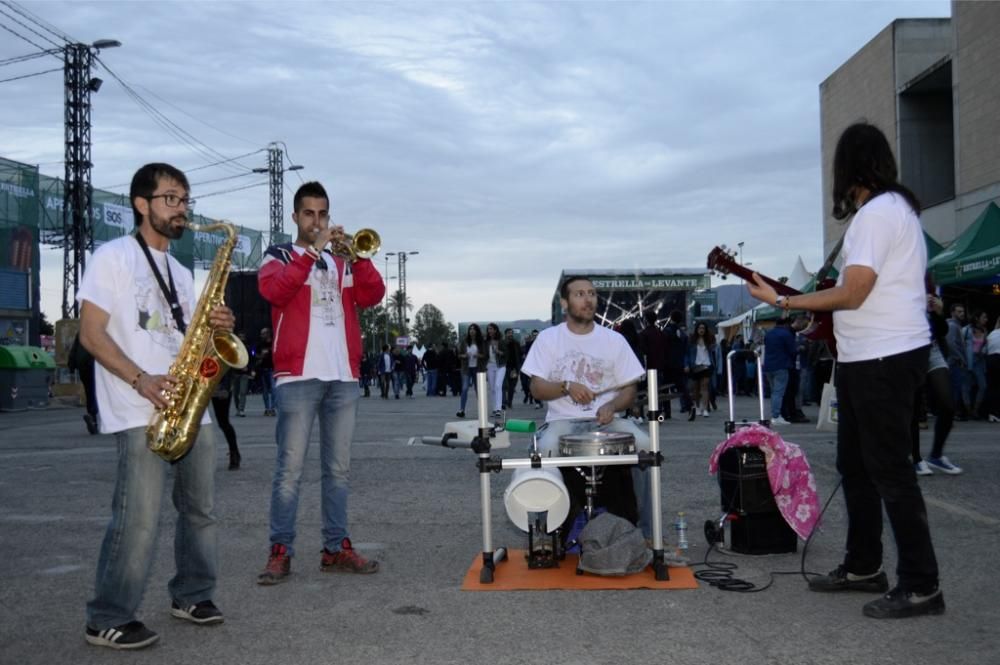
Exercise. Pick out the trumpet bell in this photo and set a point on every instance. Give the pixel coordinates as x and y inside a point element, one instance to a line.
<point>365,243</point>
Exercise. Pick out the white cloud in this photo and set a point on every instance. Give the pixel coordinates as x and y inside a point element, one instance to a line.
<point>503,141</point>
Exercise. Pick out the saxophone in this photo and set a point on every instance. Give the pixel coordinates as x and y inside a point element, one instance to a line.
<point>205,356</point>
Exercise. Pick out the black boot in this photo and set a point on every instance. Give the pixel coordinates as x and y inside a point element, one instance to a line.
<point>234,460</point>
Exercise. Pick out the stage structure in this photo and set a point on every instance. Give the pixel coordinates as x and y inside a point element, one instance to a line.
<point>629,294</point>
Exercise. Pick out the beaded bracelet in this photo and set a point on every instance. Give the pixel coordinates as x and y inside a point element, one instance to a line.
<point>135,381</point>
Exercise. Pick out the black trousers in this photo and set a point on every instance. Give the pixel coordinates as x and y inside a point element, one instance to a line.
<point>220,406</point>
<point>873,456</point>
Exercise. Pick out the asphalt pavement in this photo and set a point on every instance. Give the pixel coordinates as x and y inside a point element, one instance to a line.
<point>417,509</point>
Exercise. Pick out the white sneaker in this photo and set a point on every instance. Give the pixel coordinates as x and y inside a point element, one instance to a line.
<point>944,465</point>
<point>922,469</point>
<point>994,419</point>
<point>704,413</point>
<point>779,421</point>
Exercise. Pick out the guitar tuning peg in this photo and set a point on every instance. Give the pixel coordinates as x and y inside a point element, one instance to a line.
<point>723,247</point>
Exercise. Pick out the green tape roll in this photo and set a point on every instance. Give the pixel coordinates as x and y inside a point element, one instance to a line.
<point>523,426</point>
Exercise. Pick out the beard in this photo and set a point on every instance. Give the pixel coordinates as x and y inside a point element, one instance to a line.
<point>580,315</point>
<point>166,227</point>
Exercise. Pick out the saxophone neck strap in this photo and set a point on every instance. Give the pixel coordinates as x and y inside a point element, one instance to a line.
<point>168,288</point>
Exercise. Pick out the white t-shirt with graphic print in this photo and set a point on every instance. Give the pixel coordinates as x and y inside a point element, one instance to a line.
<point>119,280</point>
<point>326,349</point>
<point>600,359</point>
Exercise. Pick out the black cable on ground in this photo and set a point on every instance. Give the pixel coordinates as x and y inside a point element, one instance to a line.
<point>720,574</point>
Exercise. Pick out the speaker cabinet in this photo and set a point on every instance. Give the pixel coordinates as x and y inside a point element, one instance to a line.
<point>756,526</point>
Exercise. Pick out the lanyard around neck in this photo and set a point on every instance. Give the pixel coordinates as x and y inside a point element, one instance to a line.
<point>169,292</point>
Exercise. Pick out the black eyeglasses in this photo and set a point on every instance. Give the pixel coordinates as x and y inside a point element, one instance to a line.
<point>173,201</point>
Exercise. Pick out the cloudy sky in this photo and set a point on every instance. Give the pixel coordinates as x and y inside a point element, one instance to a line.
<point>502,141</point>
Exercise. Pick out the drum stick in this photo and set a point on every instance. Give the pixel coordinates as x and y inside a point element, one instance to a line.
<point>617,387</point>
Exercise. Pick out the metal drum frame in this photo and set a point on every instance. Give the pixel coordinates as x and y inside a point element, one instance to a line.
<point>487,465</point>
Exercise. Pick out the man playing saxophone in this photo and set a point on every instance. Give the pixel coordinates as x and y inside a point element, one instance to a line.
<point>315,296</point>
<point>136,301</point>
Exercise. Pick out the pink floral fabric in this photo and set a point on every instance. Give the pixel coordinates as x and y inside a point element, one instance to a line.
<point>791,480</point>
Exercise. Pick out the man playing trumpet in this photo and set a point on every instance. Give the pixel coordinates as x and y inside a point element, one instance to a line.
<point>315,295</point>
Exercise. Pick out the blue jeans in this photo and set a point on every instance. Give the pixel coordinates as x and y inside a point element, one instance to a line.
<point>468,379</point>
<point>299,403</point>
<point>431,379</point>
<point>548,446</point>
<point>778,381</point>
<point>397,382</point>
<point>126,556</point>
<point>267,387</point>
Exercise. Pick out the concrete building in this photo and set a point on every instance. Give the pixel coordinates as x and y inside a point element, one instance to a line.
<point>931,86</point>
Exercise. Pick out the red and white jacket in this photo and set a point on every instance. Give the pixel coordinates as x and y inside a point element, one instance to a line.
<point>282,282</point>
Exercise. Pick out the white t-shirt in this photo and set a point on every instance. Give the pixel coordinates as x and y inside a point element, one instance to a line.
<point>885,236</point>
<point>326,349</point>
<point>119,281</point>
<point>993,343</point>
<point>599,360</point>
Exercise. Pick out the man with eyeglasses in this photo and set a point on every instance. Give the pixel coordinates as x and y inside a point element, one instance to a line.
<point>315,296</point>
<point>136,301</point>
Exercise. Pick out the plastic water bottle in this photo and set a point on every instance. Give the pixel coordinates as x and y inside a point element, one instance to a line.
<point>681,527</point>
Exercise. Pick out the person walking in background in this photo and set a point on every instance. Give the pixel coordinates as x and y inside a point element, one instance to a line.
<point>264,369</point>
<point>496,367</point>
<point>525,379</point>
<point>938,389</point>
<point>430,364</point>
<point>222,400</point>
<point>512,369</point>
<point>993,373</point>
<point>398,371</point>
<point>241,382</point>
<point>779,356</point>
<point>472,356</point>
<point>80,361</point>
<point>957,363</point>
<point>410,368</point>
<point>385,371</point>
<point>676,356</point>
<point>447,371</point>
<point>879,319</point>
<point>699,364</point>
<point>315,299</point>
<point>974,339</point>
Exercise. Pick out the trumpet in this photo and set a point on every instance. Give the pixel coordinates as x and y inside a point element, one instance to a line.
<point>364,244</point>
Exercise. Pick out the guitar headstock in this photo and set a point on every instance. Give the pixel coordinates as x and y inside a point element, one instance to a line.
<point>723,261</point>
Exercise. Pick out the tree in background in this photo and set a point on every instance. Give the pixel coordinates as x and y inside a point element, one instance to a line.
<point>373,322</point>
<point>429,327</point>
<point>400,305</point>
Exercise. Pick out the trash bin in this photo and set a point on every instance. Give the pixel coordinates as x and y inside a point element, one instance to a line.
<point>25,374</point>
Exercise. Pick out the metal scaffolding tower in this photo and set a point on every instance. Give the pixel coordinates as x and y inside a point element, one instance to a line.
<point>275,170</point>
<point>77,191</point>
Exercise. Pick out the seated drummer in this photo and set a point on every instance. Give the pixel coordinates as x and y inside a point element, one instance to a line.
<point>570,364</point>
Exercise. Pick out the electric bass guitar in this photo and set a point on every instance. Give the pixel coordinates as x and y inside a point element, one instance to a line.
<point>820,327</point>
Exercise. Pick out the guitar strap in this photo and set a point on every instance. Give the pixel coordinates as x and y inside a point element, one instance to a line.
<point>830,260</point>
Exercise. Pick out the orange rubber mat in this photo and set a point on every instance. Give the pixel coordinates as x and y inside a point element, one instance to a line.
<point>513,574</point>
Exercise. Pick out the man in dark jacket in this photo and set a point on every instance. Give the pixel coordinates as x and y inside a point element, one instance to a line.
<point>676,351</point>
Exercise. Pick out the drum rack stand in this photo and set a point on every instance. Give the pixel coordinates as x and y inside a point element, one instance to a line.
<point>487,465</point>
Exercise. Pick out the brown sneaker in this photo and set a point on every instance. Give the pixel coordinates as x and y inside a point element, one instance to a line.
<point>347,560</point>
<point>279,565</point>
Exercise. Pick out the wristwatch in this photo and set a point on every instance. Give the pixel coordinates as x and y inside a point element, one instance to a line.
<point>565,387</point>
<point>782,302</point>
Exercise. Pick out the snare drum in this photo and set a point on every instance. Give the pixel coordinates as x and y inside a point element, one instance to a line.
<point>614,489</point>
<point>596,443</point>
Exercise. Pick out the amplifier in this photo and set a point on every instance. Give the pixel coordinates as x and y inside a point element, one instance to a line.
<point>755,525</point>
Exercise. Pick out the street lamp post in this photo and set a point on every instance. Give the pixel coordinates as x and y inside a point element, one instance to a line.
<point>401,304</point>
<point>385,312</point>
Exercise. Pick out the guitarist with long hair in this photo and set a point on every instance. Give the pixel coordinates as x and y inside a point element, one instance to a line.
<point>882,338</point>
